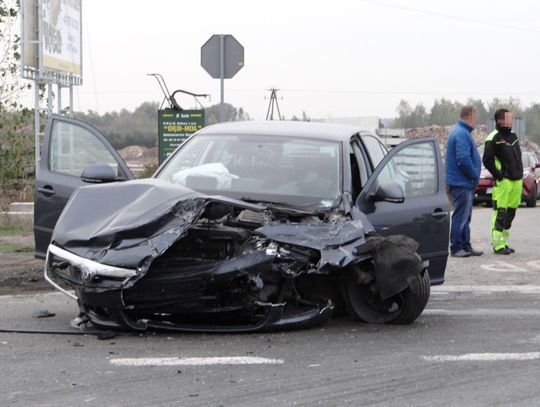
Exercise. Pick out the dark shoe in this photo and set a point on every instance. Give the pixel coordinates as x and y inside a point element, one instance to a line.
<point>461,253</point>
<point>511,250</point>
<point>475,252</point>
<point>505,250</point>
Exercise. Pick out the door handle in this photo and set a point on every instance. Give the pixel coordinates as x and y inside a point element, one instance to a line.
<point>439,214</point>
<point>47,190</point>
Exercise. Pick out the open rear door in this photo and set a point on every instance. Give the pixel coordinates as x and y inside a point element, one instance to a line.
<point>68,148</point>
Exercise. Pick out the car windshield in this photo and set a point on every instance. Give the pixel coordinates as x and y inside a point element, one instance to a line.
<point>279,169</point>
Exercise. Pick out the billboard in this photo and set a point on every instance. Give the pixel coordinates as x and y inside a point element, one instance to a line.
<point>29,37</point>
<point>174,127</point>
<point>61,35</point>
<point>51,40</point>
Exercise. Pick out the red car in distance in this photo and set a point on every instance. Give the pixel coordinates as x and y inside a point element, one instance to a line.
<point>531,182</point>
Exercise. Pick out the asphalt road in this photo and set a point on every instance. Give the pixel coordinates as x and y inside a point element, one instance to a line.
<point>477,344</point>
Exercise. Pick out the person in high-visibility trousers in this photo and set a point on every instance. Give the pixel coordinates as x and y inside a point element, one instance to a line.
<point>502,158</point>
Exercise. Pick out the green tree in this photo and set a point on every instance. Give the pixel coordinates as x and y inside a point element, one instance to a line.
<point>127,128</point>
<point>512,103</point>
<point>232,114</point>
<point>16,142</point>
<point>532,122</point>
<point>409,118</point>
<point>444,112</point>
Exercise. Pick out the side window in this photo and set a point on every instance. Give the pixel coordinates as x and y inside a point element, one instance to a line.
<point>414,168</point>
<point>73,148</point>
<point>359,167</point>
<point>375,150</point>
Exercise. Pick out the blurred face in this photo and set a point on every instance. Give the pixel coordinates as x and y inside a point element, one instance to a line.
<point>507,121</point>
<point>471,120</point>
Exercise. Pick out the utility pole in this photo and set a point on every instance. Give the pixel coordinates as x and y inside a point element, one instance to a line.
<point>273,103</point>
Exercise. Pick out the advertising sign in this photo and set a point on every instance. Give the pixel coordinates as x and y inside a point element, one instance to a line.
<point>175,126</point>
<point>61,36</point>
<point>29,37</point>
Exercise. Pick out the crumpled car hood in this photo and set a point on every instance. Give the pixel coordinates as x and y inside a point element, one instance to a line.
<point>130,224</point>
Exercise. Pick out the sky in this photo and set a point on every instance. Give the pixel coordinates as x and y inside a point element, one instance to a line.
<point>327,58</point>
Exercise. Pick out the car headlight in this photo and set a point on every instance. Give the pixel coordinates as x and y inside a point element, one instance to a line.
<point>526,174</point>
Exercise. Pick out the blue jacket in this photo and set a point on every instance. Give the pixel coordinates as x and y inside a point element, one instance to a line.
<point>463,162</point>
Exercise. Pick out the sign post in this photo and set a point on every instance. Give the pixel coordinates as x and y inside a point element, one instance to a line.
<point>51,52</point>
<point>222,56</point>
<point>174,127</point>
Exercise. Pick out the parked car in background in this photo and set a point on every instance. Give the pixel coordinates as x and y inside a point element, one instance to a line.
<point>531,178</point>
<point>531,182</point>
<point>245,227</point>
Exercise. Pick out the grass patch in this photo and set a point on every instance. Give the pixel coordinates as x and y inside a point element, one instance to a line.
<point>11,230</point>
<point>13,248</point>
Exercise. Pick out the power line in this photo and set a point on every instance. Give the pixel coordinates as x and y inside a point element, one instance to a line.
<point>454,17</point>
<point>394,92</point>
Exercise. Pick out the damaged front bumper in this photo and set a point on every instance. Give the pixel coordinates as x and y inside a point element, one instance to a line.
<point>110,297</point>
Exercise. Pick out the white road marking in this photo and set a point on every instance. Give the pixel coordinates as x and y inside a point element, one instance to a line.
<point>534,264</point>
<point>483,357</point>
<point>224,360</point>
<point>496,312</point>
<point>524,289</point>
<point>502,266</point>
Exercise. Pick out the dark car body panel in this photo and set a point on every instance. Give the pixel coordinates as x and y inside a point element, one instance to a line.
<point>53,189</point>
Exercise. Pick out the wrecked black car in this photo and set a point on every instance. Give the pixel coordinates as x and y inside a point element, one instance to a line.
<point>255,226</point>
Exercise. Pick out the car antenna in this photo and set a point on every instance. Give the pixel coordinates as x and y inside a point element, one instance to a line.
<point>173,104</point>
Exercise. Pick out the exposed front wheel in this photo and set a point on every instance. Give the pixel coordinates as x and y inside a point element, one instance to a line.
<point>403,308</point>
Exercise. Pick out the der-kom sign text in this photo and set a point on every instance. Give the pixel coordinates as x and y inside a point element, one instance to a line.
<point>174,127</point>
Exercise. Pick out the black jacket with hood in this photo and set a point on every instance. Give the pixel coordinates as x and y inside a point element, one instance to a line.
<point>502,155</point>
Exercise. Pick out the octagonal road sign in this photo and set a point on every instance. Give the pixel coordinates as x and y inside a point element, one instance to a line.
<point>222,46</point>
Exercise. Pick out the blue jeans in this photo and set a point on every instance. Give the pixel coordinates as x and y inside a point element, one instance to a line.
<point>460,231</point>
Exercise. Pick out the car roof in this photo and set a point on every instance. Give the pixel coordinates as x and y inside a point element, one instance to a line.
<point>325,131</point>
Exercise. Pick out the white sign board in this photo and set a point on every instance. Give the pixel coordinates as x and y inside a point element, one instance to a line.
<point>61,36</point>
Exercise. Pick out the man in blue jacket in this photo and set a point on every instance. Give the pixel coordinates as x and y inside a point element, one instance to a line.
<point>463,167</point>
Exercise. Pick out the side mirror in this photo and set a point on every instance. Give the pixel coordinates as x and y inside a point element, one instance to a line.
<point>99,173</point>
<point>390,191</point>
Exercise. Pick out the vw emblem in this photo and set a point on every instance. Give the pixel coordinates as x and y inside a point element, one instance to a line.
<point>86,274</point>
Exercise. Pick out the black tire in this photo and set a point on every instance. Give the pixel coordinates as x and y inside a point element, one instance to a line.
<point>415,297</point>
<point>530,201</point>
<point>403,308</point>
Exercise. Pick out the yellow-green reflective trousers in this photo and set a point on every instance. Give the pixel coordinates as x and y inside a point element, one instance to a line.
<point>506,198</point>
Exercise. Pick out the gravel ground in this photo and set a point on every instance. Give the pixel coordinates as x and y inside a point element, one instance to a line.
<point>20,272</point>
